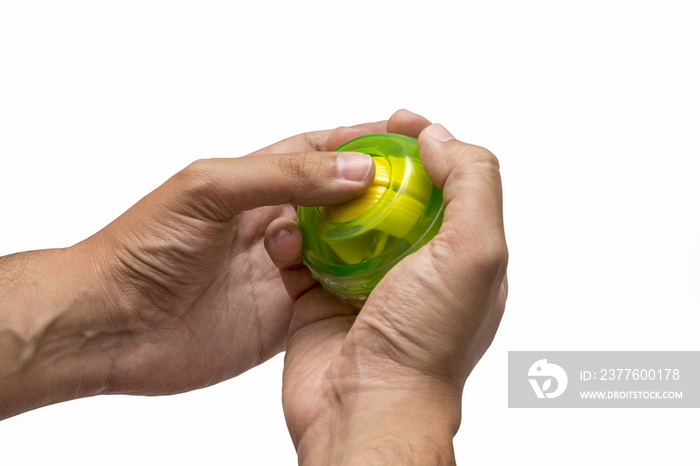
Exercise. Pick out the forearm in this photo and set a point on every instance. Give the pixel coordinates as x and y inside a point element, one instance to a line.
<point>58,337</point>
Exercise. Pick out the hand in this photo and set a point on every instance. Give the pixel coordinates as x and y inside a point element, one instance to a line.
<point>385,385</point>
<point>177,293</point>
<point>188,261</point>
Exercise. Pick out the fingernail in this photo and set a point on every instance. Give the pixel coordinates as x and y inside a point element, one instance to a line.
<point>437,131</point>
<point>354,166</point>
<point>281,234</point>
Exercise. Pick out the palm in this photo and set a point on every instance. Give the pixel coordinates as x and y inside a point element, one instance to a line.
<point>242,315</point>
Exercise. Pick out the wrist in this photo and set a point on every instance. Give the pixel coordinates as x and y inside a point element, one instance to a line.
<point>401,425</point>
<point>59,336</point>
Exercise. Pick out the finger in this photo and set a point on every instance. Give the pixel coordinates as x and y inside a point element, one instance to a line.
<point>401,122</point>
<point>345,133</point>
<point>407,123</point>
<point>283,243</point>
<point>318,140</point>
<point>224,187</point>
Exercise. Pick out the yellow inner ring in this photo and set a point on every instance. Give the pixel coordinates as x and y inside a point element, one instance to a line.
<point>353,208</point>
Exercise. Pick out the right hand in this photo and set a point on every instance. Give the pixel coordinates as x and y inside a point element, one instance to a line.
<point>395,372</point>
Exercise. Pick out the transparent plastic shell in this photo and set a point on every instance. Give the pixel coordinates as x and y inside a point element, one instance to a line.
<point>349,247</point>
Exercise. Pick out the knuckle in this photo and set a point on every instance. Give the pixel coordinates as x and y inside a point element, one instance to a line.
<point>483,253</point>
<point>491,257</point>
<point>196,173</point>
<point>480,155</point>
<point>302,168</point>
<point>197,179</point>
<point>198,189</point>
<point>477,164</point>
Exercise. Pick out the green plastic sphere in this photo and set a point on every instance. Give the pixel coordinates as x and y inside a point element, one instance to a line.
<point>349,247</point>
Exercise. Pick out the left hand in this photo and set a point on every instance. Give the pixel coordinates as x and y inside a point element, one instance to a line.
<point>178,293</point>
<point>188,265</point>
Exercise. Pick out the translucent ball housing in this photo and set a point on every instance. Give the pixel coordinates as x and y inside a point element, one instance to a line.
<point>349,247</point>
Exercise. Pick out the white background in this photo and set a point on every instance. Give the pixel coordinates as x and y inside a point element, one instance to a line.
<point>592,108</point>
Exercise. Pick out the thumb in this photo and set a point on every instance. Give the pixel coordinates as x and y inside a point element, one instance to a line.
<point>229,186</point>
<point>469,177</point>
